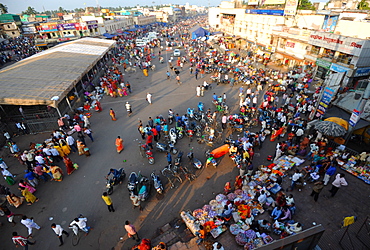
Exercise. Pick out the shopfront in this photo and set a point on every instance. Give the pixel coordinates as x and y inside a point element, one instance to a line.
<point>323,68</point>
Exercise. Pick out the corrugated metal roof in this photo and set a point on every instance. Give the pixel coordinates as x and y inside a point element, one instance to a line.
<point>53,72</point>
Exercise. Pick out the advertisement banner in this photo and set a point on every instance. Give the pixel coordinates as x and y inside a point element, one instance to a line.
<point>66,26</point>
<point>354,117</point>
<point>324,102</point>
<point>265,12</point>
<point>92,24</point>
<point>329,23</point>
<point>323,63</point>
<point>290,7</point>
<point>47,27</point>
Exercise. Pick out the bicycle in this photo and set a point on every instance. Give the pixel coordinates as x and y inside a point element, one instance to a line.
<point>188,175</point>
<point>76,236</point>
<point>167,172</point>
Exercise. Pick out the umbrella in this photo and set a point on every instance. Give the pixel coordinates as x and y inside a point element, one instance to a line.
<point>338,121</point>
<point>330,128</point>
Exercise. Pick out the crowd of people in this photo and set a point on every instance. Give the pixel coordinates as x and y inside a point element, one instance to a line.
<point>15,49</point>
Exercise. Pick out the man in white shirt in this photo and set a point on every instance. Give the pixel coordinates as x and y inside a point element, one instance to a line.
<point>29,223</point>
<point>40,159</point>
<point>81,223</point>
<point>59,231</point>
<point>296,176</point>
<point>262,198</point>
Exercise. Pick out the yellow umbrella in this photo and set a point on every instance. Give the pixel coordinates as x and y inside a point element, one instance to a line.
<point>338,121</point>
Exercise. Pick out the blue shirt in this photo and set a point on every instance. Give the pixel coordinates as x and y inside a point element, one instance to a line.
<point>331,171</point>
<point>215,97</point>
<point>276,213</point>
<point>115,173</point>
<point>158,127</point>
<point>169,158</point>
<point>29,176</point>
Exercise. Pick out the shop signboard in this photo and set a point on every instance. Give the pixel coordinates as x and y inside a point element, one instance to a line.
<point>354,117</point>
<point>290,7</point>
<point>323,63</point>
<point>66,26</point>
<point>362,72</point>
<point>92,24</point>
<point>344,44</point>
<point>338,68</point>
<point>265,12</point>
<point>324,102</point>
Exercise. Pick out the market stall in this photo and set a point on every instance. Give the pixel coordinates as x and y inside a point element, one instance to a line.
<point>351,166</point>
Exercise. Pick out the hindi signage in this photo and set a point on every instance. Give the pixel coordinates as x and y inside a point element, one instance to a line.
<point>324,102</point>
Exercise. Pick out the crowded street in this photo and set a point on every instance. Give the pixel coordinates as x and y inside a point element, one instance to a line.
<point>258,109</point>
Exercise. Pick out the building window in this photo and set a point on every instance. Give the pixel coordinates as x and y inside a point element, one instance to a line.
<point>361,85</point>
<point>315,50</point>
<point>328,53</point>
<point>13,32</point>
<point>8,26</point>
<point>282,43</point>
<point>217,16</point>
<point>344,58</point>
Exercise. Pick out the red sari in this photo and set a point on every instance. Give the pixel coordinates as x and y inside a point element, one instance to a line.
<point>69,165</point>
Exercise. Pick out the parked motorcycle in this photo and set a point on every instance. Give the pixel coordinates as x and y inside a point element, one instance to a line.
<point>190,113</point>
<point>180,132</point>
<point>110,182</point>
<point>166,148</point>
<point>144,149</point>
<point>196,163</point>
<point>173,135</point>
<point>157,183</point>
<point>132,182</point>
<point>190,134</point>
<point>143,187</point>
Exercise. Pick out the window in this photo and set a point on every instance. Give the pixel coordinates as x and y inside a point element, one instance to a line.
<point>344,58</point>
<point>8,26</point>
<point>13,32</point>
<point>328,53</point>
<point>315,50</point>
<point>362,84</point>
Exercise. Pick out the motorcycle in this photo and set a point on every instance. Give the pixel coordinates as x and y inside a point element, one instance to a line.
<point>143,187</point>
<point>148,153</point>
<point>196,163</point>
<point>110,182</point>
<point>157,183</point>
<point>179,132</point>
<point>190,134</point>
<point>166,148</point>
<point>173,135</point>
<point>132,182</point>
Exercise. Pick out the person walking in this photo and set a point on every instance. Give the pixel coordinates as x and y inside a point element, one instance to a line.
<point>21,241</point>
<point>128,108</point>
<point>89,133</point>
<point>59,231</point>
<point>329,173</point>
<point>169,158</point>
<point>131,231</point>
<point>149,98</point>
<point>108,201</point>
<point>178,79</point>
<point>30,224</point>
<point>197,89</point>
<point>337,183</point>
<point>112,115</point>
<point>119,144</point>
<point>71,143</point>
<point>316,189</point>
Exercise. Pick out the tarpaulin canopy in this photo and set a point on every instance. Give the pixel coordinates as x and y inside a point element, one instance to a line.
<point>107,35</point>
<point>198,31</point>
<point>53,72</point>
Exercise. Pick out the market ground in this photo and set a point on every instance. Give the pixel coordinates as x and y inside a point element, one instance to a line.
<point>81,191</point>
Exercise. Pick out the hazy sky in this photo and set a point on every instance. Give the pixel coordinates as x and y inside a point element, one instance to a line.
<point>17,6</point>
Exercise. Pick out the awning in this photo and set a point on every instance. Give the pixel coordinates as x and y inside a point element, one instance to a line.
<point>290,57</point>
<point>338,112</point>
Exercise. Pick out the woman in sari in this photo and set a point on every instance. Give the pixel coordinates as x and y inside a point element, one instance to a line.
<point>98,107</point>
<point>119,144</point>
<point>112,114</point>
<point>30,198</point>
<point>24,184</point>
<point>69,165</point>
<point>57,173</point>
<point>80,147</point>
<point>60,151</point>
<point>64,146</point>
<point>14,200</point>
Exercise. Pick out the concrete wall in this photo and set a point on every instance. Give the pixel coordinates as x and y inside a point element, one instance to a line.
<point>353,28</point>
<point>306,21</point>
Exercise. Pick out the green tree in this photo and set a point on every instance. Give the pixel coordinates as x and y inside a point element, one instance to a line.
<point>363,5</point>
<point>30,11</point>
<point>305,5</point>
<point>3,9</point>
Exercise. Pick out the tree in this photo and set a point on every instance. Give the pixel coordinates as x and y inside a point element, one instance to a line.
<point>61,10</point>
<point>30,11</point>
<point>363,5</point>
<point>3,9</point>
<point>305,5</point>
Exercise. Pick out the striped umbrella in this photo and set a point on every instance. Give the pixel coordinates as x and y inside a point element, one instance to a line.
<point>330,128</point>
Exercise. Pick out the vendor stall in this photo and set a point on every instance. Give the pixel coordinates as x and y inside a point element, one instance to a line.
<point>351,166</point>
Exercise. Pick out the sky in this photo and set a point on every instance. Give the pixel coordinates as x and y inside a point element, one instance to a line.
<point>17,6</point>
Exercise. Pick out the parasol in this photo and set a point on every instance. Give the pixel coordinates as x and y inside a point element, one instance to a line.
<point>338,121</point>
<point>330,128</point>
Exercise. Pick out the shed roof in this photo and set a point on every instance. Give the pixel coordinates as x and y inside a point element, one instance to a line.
<point>53,72</point>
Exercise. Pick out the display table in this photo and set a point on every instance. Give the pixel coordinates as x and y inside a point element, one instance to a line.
<point>361,172</point>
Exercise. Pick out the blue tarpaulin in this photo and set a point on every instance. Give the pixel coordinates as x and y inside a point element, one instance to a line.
<point>198,32</point>
<point>107,35</point>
